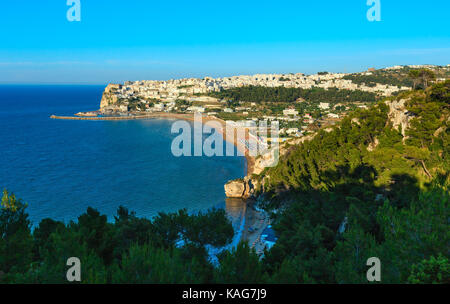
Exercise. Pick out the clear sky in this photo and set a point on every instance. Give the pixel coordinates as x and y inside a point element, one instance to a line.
<point>147,39</point>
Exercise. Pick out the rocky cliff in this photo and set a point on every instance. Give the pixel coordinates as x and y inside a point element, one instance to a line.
<point>245,188</point>
<point>398,115</point>
<point>110,100</point>
<point>240,188</point>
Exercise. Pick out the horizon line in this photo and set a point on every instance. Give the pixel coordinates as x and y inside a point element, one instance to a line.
<point>101,83</point>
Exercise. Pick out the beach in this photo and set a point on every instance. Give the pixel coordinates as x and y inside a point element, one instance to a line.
<point>255,223</point>
<point>251,218</point>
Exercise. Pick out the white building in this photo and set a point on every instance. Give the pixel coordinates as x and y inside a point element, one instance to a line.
<point>324,105</point>
<point>196,109</point>
<point>158,107</point>
<point>290,112</point>
<point>292,131</point>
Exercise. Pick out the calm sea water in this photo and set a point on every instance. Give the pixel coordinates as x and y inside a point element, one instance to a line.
<point>61,167</point>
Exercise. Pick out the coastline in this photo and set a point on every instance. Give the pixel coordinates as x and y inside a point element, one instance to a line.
<point>250,216</point>
<point>250,160</point>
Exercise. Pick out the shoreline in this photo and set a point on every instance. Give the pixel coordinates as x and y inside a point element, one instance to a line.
<point>249,215</point>
<point>188,117</point>
<point>257,220</point>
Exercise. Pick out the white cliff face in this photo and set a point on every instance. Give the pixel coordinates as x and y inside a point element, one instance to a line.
<point>260,165</point>
<point>268,159</point>
<point>398,115</point>
<point>372,146</point>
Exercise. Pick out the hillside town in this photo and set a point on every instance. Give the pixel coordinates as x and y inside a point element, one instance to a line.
<point>174,89</point>
<point>194,95</point>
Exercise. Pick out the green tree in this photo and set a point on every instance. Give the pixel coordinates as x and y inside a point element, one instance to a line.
<point>16,243</point>
<point>151,265</point>
<point>414,233</point>
<point>351,255</point>
<point>431,271</point>
<point>42,233</point>
<point>424,76</point>
<point>240,266</point>
<point>427,76</point>
<point>97,233</point>
<point>415,76</point>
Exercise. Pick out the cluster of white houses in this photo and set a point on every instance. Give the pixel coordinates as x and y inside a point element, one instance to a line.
<point>162,96</point>
<point>174,89</point>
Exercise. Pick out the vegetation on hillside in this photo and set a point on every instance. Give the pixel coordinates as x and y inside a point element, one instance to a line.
<point>169,249</point>
<point>398,78</point>
<point>281,94</point>
<point>362,190</point>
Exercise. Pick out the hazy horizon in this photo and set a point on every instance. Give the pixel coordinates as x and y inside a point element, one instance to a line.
<point>198,77</point>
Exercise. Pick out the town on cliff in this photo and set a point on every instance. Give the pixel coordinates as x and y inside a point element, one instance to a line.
<point>301,104</point>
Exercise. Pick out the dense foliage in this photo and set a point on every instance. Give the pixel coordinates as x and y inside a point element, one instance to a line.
<point>282,94</point>
<point>170,249</point>
<point>399,78</point>
<point>365,190</point>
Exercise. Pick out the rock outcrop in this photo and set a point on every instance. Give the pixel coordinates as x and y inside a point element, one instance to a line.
<point>110,100</point>
<point>398,115</point>
<point>266,160</point>
<point>240,188</point>
<point>374,145</point>
<point>235,189</point>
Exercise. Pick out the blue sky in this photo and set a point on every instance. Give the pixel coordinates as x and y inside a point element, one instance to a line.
<point>146,39</point>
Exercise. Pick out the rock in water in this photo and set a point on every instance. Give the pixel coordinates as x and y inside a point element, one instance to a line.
<point>239,188</point>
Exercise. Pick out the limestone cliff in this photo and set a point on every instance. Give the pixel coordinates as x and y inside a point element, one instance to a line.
<point>110,99</point>
<point>398,114</point>
<point>240,188</point>
<point>245,188</point>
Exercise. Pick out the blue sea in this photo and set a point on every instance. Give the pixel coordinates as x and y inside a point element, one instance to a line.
<point>61,167</point>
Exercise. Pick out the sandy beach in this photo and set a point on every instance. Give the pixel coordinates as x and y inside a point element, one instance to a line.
<point>255,223</point>
<point>253,219</point>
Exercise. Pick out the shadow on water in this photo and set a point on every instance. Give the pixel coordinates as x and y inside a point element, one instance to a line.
<point>236,209</point>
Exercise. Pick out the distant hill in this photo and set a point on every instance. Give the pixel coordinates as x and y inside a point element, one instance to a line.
<point>389,77</point>
<point>393,76</point>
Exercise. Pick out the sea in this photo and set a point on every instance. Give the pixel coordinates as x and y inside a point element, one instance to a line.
<point>62,167</point>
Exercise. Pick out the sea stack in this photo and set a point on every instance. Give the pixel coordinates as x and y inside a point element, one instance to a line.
<point>239,188</point>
